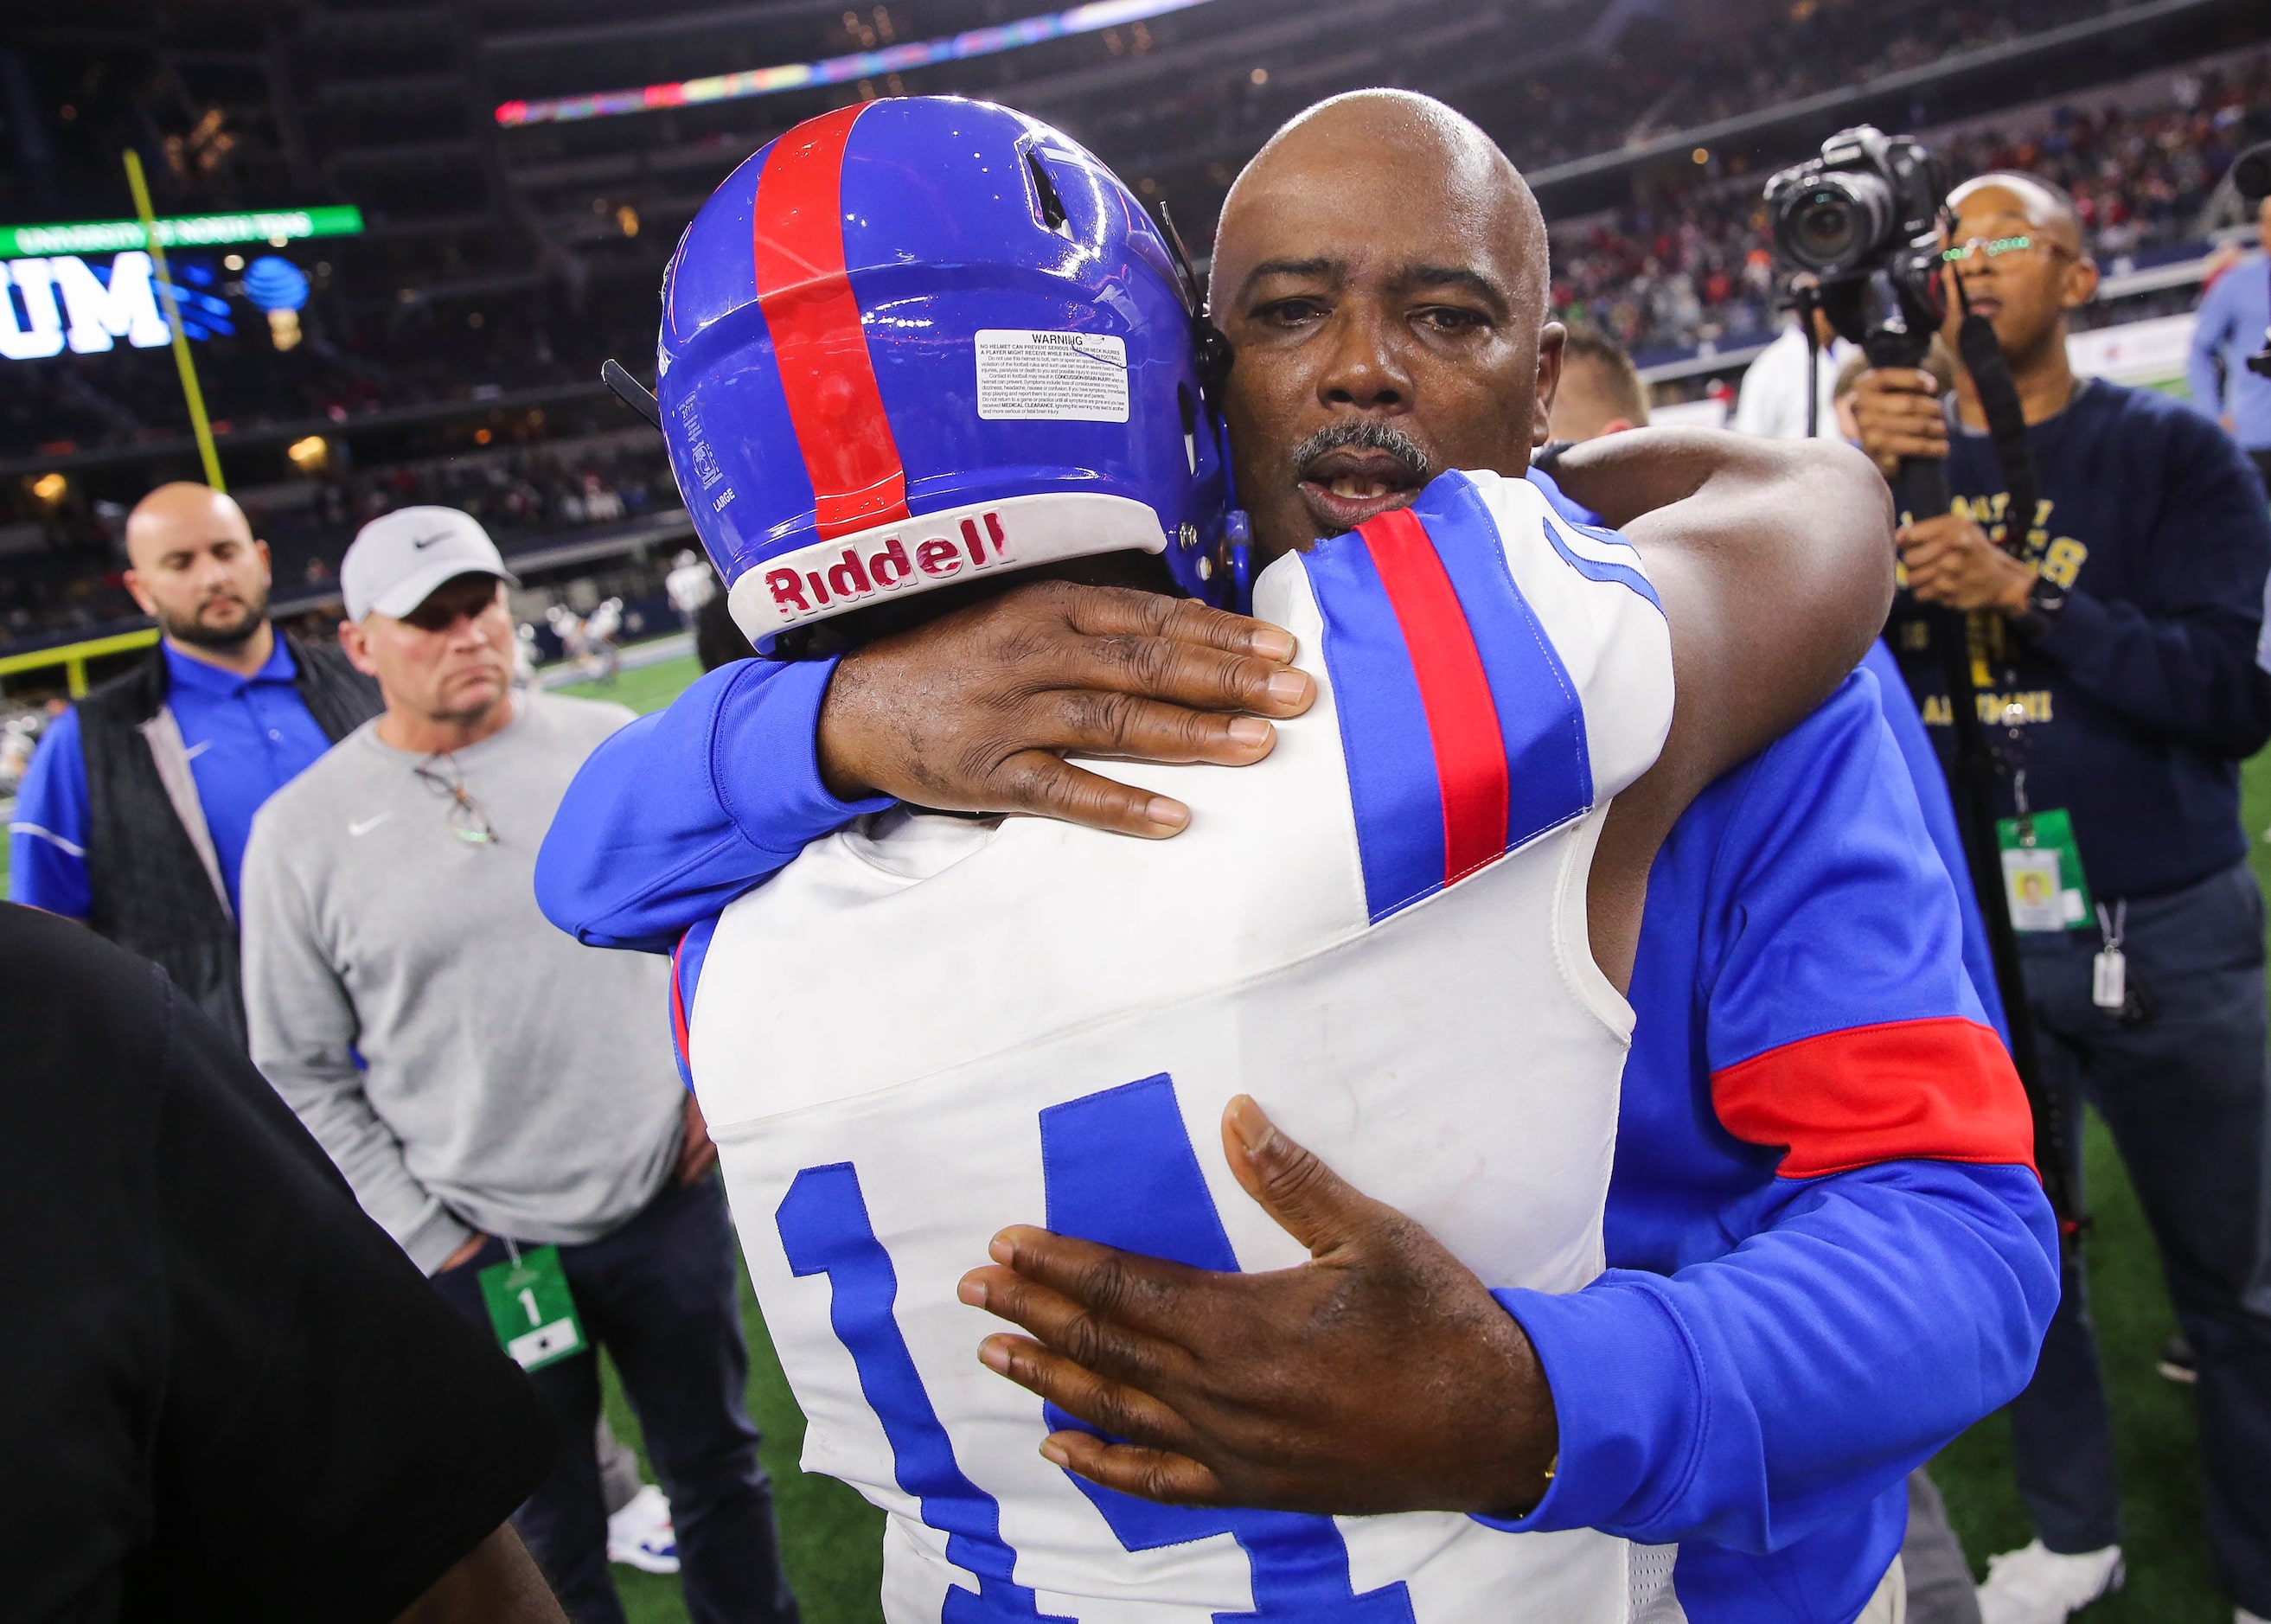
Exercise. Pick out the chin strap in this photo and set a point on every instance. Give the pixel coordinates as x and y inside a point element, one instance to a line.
<point>1215,358</point>
<point>1237,539</point>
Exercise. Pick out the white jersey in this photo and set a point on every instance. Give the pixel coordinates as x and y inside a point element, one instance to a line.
<point>927,1028</point>
<point>690,587</point>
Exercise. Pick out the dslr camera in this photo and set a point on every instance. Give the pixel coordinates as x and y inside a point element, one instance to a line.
<point>1869,201</point>
<point>1864,220</point>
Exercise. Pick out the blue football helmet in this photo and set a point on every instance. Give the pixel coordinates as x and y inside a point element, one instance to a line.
<point>915,339</point>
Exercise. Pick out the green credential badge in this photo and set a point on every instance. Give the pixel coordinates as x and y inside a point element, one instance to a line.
<point>531,1308</point>
<point>2042,872</point>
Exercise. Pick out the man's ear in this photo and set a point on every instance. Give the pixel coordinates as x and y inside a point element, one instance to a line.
<point>356,648</point>
<point>2079,286</point>
<point>267,564</point>
<point>1550,340</point>
<point>133,583</point>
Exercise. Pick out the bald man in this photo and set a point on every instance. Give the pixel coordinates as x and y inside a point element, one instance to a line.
<point>1826,1257</point>
<point>134,814</point>
<point>2113,645</point>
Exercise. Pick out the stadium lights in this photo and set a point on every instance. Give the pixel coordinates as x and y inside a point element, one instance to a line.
<point>275,226</point>
<point>840,70</point>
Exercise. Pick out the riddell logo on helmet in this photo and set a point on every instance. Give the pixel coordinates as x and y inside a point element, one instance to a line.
<point>895,565</point>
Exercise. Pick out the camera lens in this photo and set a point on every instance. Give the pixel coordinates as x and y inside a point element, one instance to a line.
<point>1832,224</point>
<point>1823,229</point>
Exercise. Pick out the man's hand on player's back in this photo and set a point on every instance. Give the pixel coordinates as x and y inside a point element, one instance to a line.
<point>973,712</point>
<point>1418,1392</point>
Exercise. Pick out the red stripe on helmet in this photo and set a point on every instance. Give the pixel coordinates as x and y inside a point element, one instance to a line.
<point>857,478</point>
<point>1454,689</point>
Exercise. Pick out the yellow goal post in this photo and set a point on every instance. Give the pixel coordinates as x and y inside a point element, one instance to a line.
<point>72,657</point>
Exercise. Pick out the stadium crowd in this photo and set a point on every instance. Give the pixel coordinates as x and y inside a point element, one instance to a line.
<point>1687,266</point>
<point>1665,80</point>
<point>71,578</point>
<point>1697,263</point>
<point>529,491</point>
<point>342,371</point>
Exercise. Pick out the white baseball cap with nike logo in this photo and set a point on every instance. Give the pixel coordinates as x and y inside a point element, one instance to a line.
<point>401,557</point>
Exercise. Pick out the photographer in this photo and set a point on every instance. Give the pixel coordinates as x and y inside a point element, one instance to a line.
<point>2112,646</point>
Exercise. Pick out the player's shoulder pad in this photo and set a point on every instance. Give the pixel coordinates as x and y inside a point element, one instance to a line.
<point>1497,674</point>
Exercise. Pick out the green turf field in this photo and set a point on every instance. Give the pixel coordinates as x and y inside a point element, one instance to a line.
<point>833,1539</point>
<point>648,688</point>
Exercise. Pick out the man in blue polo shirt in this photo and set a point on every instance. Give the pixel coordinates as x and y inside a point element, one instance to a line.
<point>2233,315</point>
<point>134,814</point>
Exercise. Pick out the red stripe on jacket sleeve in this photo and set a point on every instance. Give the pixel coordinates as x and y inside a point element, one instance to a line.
<point>1938,1090</point>
<point>1454,689</point>
<point>679,1032</point>
<point>821,348</point>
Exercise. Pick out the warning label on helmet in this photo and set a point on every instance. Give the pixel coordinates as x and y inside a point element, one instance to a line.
<point>1079,377</point>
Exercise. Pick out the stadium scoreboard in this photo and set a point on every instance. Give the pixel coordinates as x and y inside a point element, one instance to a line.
<point>57,293</point>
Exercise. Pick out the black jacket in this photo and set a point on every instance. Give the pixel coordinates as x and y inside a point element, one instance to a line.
<point>152,891</point>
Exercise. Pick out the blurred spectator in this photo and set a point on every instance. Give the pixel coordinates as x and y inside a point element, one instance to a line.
<point>1772,401</point>
<point>2233,322</point>
<point>490,1089</point>
<point>1600,392</point>
<point>134,814</point>
<point>691,584</point>
<point>200,1334</point>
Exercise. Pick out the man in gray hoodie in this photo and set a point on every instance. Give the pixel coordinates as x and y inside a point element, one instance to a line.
<point>503,1101</point>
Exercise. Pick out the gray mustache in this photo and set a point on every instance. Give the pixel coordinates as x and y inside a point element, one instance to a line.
<point>1363,436</point>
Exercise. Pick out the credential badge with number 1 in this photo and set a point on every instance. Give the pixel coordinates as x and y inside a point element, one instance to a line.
<point>532,1309</point>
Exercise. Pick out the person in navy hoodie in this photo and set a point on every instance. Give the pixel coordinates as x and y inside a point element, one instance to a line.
<point>2113,640</point>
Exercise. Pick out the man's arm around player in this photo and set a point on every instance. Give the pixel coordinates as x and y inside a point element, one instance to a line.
<point>1829,1251</point>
